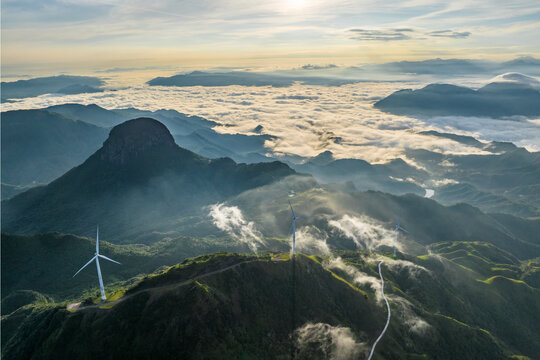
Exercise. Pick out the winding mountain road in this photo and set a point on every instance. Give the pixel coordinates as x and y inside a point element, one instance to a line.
<point>387,321</point>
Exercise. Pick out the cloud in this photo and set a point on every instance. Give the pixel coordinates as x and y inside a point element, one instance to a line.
<point>404,311</point>
<point>404,34</point>
<point>411,269</point>
<point>364,232</point>
<point>311,240</point>
<point>380,35</point>
<point>517,78</point>
<point>318,67</point>
<point>356,276</point>
<point>341,119</point>
<point>231,220</point>
<point>320,340</point>
<point>449,34</point>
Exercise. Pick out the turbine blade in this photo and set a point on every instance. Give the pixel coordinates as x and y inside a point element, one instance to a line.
<point>106,258</point>
<point>290,231</point>
<point>294,216</point>
<point>402,229</point>
<point>85,265</point>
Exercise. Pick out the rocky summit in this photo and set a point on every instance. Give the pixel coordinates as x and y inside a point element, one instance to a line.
<point>131,138</point>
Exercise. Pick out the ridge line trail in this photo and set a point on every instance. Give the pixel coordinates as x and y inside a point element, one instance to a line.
<point>76,306</point>
<point>387,321</point>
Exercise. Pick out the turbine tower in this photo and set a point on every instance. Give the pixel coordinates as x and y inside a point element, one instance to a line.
<point>294,218</point>
<point>396,231</point>
<point>96,257</point>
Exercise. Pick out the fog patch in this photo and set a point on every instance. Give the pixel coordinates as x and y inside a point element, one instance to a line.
<point>324,341</point>
<point>231,220</point>
<point>312,240</point>
<point>364,232</point>
<point>357,277</point>
<point>411,268</point>
<point>407,315</point>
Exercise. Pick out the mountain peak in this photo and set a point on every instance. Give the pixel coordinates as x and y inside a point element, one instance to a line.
<point>134,137</point>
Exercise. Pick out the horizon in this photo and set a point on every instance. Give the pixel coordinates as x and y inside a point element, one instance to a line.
<point>64,36</point>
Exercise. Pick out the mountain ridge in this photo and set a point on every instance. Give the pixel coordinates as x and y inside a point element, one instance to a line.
<point>129,184</point>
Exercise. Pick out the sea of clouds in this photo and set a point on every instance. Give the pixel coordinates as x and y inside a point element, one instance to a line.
<point>308,119</point>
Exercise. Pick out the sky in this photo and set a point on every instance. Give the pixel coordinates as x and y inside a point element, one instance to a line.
<point>85,36</point>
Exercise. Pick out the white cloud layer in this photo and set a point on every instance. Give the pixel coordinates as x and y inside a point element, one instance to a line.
<point>308,119</point>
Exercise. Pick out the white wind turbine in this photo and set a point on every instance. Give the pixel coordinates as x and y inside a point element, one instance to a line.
<point>96,257</point>
<point>396,231</point>
<point>294,218</point>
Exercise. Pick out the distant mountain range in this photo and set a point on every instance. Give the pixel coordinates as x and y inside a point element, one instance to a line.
<point>40,145</point>
<point>34,155</point>
<point>61,84</point>
<point>243,78</point>
<point>139,179</point>
<point>466,284</point>
<point>496,100</point>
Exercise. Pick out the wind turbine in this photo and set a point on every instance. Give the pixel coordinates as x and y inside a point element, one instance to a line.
<point>294,218</point>
<point>96,257</point>
<point>396,230</point>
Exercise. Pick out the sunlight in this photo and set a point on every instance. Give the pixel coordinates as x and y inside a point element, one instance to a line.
<point>296,4</point>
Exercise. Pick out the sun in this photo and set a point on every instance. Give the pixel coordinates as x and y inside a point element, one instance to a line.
<point>296,4</point>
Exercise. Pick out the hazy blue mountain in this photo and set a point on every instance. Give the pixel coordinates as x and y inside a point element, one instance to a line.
<point>453,67</point>
<point>493,100</point>
<point>38,145</point>
<point>437,67</point>
<point>239,147</point>
<point>462,139</point>
<point>177,123</point>
<point>242,78</point>
<point>138,180</point>
<point>505,181</point>
<point>487,201</point>
<point>92,114</point>
<point>426,219</point>
<point>63,84</point>
<point>390,177</point>
<point>9,190</point>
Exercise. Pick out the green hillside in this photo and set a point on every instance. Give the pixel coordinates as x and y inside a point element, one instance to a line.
<point>227,306</point>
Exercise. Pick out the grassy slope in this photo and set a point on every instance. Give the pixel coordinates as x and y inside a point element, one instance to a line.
<point>46,263</point>
<point>242,313</point>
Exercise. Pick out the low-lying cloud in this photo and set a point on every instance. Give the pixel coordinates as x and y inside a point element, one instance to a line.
<point>320,340</point>
<point>231,220</point>
<point>365,233</point>
<point>357,277</point>
<point>312,240</point>
<point>339,119</point>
